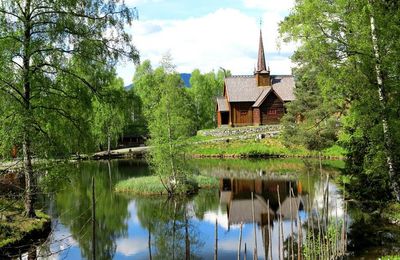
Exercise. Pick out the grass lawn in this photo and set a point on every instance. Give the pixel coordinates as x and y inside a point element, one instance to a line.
<point>151,185</point>
<point>264,147</point>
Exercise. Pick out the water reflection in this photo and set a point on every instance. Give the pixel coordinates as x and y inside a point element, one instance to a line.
<point>157,228</point>
<point>235,195</point>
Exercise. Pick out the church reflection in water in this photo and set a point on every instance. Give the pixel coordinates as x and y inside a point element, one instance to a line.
<point>235,195</point>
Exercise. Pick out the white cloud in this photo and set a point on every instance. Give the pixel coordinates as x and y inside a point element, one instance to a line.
<point>226,38</point>
<point>129,247</point>
<point>211,216</point>
<point>270,5</point>
<point>139,2</point>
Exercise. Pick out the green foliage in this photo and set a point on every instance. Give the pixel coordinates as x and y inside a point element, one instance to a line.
<point>46,93</point>
<point>337,78</point>
<point>112,113</point>
<point>170,124</point>
<point>392,212</point>
<point>204,90</point>
<point>309,120</point>
<point>169,116</point>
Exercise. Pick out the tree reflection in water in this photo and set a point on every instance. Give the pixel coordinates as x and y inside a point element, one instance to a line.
<point>73,205</point>
<point>179,228</point>
<point>173,235</point>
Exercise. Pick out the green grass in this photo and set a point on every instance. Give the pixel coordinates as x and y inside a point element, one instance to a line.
<point>391,257</point>
<point>14,226</point>
<point>335,151</point>
<point>265,147</point>
<point>151,185</point>
<point>199,138</point>
<point>275,165</point>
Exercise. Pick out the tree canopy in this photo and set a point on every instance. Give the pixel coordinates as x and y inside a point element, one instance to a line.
<point>204,90</point>
<point>54,56</point>
<point>339,40</point>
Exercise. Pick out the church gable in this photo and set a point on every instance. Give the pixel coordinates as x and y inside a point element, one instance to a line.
<point>255,99</point>
<point>272,109</point>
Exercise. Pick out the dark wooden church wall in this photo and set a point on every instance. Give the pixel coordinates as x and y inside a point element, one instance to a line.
<point>242,113</point>
<point>271,110</point>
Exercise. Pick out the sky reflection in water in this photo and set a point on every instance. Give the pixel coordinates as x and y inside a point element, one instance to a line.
<point>185,225</point>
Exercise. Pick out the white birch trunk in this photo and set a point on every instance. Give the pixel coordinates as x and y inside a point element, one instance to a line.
<point>383,102</point>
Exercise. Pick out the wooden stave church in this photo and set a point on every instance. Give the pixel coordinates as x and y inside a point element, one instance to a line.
<point>253,100</point>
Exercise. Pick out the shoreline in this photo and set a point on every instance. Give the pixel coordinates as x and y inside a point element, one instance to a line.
<point>21,241</point>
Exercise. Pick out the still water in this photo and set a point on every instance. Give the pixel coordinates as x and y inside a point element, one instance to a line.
<point>132,227</point>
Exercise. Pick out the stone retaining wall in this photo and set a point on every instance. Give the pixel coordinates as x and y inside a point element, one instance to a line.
<point>232,131</point>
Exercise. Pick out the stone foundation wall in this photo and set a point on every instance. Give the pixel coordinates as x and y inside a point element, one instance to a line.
<point>235,131</point>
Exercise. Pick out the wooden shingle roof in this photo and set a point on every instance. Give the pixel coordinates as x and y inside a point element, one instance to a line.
<point>262,96</point>
<point>284,86</point>
<point>222,104</point>
<point>242,89</point>
<point>245,89</point>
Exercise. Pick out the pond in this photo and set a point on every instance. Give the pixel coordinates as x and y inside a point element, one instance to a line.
<point>258,202</point>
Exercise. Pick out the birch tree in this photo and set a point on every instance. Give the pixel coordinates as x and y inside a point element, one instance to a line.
<point>354,45</point>
<point>54,54</point>
<point>112,112</point>
<point>170,124</point>
<point>383,101</point>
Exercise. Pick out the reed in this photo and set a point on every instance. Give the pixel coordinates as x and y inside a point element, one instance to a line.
<point>321,235</point>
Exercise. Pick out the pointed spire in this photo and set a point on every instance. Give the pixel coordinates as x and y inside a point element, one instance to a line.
<point>261,56</point>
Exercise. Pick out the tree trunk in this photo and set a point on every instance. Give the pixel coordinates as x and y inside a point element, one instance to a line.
<point>187,238</point>
<point>26,142</point>
<point>171,156</point>
<point>174,231</point>
<point>108,144</point>
<point>149,245</point>
<point>388,141</point>
<point>29,179</point>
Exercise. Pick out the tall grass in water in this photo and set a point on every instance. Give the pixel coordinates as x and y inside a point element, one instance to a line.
<point>322,234</point>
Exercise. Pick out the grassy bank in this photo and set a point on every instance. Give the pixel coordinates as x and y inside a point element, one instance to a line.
<point>151,185</point>
<point>263,148</point>
<point>15,229</point>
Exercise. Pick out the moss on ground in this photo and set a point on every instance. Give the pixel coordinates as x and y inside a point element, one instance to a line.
<point>392,213</point>
<point>151,185</point>
<point>14,226</point>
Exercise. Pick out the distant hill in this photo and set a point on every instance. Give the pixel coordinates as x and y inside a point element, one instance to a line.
<point>127,88</point>
<point>186,79</point>
<point>184,76</point>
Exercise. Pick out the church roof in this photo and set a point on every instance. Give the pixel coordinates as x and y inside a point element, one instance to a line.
<point>242,89</point>
<point>261,56</point>
<point>240,210</point>
<point>222,104</point>
<point>245,89</point>
<point>284,87</point>
<point>262,96</point>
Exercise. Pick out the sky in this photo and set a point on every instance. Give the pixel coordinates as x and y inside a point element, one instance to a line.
<point>209,34</point>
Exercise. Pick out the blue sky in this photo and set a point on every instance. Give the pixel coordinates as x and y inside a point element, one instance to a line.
<point>209,34</point>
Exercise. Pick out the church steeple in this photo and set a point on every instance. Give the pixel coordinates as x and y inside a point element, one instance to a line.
<point>261,55</point>
<point>262,72</point>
